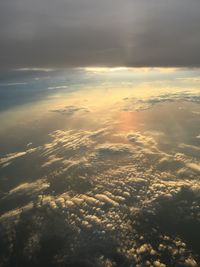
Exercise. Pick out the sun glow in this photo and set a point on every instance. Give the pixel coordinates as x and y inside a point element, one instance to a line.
<point>129,69</point>
<point>104,69</point>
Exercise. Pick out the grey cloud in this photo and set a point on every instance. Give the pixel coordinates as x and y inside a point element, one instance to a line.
<point>138,104</point>
<point>70,110</point>
<point>112,150</point>
<point>112,33</point>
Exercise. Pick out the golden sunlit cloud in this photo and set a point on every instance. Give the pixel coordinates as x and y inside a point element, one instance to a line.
<point>123,69</point>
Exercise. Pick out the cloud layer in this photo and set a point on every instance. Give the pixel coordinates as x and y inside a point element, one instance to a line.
<point>114,185</point>
<point>101,204</point>
<point>110,33</point>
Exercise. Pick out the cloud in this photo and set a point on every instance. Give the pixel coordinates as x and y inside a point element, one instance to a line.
<point>9,158</point>
<point>118,205</point>
<point>29,188</point>
<point>109,33</point>
<point>13,84</point>
<point>6,160</point>
<point>70,110</point>
<point>51,160</point>
<point>170,164</point>
<point>191,150</point>
<point>57,87</point>
<point>141,103</point>
<point>14,214</point>
<point>22,194</point>
<point>106,200</point>
<point>195,167</point>
<point>33,70</point>
<point>110,150</point>
<point>100,218</point>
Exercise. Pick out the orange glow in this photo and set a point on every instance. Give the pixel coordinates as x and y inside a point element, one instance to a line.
<point>126,121</point>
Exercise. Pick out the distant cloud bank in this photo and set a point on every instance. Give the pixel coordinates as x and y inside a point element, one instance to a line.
<point>48,34</point>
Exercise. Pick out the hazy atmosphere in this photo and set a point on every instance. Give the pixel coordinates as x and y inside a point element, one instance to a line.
<point>100,133</point>
<point>74,33</point>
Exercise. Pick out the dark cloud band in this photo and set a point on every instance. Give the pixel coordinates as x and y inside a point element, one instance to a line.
<point>109,33</point>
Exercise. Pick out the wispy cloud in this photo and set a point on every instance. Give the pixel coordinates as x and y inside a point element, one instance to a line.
<point>13,84</point>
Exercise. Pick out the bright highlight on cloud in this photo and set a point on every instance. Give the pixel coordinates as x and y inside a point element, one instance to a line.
<point>100,167</point>
<point>106,196</point>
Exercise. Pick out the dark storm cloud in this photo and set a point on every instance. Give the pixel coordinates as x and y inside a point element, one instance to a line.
<point>66,33</point>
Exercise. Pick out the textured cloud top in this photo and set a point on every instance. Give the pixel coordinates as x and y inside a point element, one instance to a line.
<point>100,168</point>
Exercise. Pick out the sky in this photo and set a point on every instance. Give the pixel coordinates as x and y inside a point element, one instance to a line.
<point>99,133</point>
<point>77,33</point>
